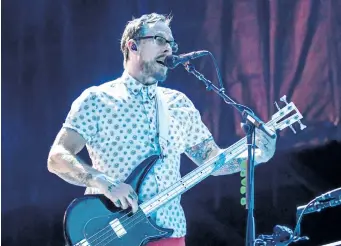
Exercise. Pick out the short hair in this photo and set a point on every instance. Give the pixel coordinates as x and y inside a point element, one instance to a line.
<point>136,27</point>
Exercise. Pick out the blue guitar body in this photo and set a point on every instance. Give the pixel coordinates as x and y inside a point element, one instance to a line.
<point>94,220</point>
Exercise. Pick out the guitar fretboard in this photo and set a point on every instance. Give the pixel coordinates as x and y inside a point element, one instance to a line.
<point>206,169</point>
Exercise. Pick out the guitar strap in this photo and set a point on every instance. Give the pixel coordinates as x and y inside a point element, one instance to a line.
<point>162,121</point>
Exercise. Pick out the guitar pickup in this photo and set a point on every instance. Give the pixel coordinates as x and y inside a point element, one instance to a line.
<point>118,228</point>
<point>82,243</point>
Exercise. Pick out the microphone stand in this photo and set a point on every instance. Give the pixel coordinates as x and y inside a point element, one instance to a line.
<point>250,122</point>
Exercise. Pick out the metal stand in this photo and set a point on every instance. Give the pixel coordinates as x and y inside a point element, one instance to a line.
<point>250,122</point>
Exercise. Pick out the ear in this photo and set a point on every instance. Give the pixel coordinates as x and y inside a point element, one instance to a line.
<point>132,46</point>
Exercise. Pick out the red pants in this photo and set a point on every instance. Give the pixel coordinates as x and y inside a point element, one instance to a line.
<point>172,241</point>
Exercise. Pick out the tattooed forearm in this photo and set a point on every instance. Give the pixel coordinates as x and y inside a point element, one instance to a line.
<point>71,169</point>
<point>68,177</point>
<point>203,151</point>
<point>237,164</point>
<point>111,187</point>
<point>75,178</point>
<point>84,178</point>
<point>209,150</point>
<point>232,166</point>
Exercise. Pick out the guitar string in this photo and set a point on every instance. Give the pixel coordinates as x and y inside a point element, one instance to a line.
<point>206,166</point>
<point>164,197</point>
<point>203,167</point>
<point>112,236</point>
<point>240,141</point>
<point>137,218</point>
<point>157,133</point>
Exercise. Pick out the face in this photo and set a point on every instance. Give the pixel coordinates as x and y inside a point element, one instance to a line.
<point>152,52</point>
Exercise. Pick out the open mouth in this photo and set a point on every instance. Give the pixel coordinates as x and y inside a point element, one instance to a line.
<point>161,63</point>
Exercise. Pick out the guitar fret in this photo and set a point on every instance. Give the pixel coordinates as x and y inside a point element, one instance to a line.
<point>203,171</point>
<point>117,228</point>
<point>192,178</point>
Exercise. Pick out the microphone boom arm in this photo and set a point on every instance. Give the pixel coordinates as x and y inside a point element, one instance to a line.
<point>246,112</point>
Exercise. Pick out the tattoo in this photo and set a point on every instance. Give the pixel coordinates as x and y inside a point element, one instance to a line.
<point>132,196</point>
<point>85,178</point>
<point>111,187</point>
<point>204,151</point>
<point>80,173</point>
<point>201,152</point>
<point>71,179</point>
<point>80,179</point>
<point>233,166</point>
<point>118,203</point>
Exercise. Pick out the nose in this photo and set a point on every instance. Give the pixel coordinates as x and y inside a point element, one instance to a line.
<point>168,49</point>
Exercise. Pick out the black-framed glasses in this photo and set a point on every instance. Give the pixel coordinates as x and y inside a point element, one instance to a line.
<point>159,40</point>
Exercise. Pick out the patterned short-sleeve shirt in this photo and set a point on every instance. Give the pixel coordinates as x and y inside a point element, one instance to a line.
<point>118,119</point>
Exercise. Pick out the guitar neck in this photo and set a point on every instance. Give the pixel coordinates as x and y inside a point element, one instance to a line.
<point>195,176</point>
<point>192,178</point>
<point>214,164</point>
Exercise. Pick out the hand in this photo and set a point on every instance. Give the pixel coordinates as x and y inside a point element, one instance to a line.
<point>266,144</point>
<point>122,195</point>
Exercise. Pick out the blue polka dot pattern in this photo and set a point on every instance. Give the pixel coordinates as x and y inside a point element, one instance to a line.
<point>118,121</point>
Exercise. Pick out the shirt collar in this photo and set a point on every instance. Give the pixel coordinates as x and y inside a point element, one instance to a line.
<point>135,87</point>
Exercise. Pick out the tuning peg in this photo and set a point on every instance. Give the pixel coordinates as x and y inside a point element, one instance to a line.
<point>292,129</point>
<point>302,126</point>
<point>284,99</point>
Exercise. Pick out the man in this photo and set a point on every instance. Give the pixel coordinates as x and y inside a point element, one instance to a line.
<point>118,123</point>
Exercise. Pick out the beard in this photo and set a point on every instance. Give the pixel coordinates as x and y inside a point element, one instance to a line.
<point>153,70</point>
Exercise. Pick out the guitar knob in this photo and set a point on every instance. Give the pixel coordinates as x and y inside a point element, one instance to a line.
<point>302,126</point>
<point>284,99</point>
<point>293,129</point>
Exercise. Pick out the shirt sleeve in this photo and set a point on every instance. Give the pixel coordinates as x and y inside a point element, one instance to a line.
<point>83,116</point>
<point>197,131</point>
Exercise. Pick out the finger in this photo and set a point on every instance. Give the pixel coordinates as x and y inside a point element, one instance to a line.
<point>111,187</point>
<point>258,142</point>
<point>132,202</point>
<point>262,136</point>
<point>262,140</point>
<point>117,202</point>
<point>124,203</point>
<point>133,194</point>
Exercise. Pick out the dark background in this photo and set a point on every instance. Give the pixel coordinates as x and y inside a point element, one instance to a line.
<point>53,50</point>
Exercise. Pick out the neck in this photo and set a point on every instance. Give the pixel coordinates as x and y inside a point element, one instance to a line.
<point>138,74</point>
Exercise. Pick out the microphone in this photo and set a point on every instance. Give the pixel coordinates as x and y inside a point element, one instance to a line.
<point>173,61</point>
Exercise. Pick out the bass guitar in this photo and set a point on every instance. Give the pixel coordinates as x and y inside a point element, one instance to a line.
<point>94,220</point>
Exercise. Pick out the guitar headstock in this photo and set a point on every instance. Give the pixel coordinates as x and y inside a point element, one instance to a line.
<point>287,116</point>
